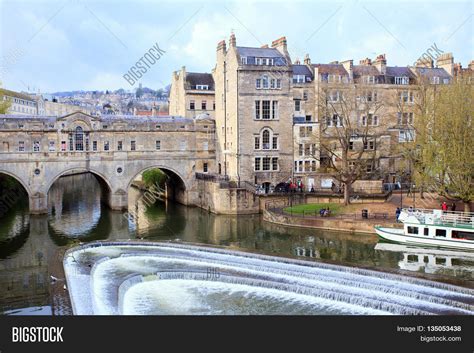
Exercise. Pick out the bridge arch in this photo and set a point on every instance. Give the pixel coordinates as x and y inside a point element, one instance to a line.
<point>18,179</point>
<point>171,172</point>
<point>103,180</point>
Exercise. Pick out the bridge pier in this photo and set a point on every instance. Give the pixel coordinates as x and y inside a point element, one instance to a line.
<point>118,200</point>
<point>38,203</point>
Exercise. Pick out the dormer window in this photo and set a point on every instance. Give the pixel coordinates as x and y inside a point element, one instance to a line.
<point>334,79</point>
<point>203,87</point>
<point>299,78</point>
<point>435,80</point>
<point>243,60</point>
<point>264,61</point>
<point>368,80</point>
<point>401,80</point>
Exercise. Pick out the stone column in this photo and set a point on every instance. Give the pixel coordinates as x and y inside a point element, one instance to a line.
<point>38,203</point>
<point>118,200</point>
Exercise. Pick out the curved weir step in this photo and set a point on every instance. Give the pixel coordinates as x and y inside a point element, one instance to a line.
<point>207,274</point>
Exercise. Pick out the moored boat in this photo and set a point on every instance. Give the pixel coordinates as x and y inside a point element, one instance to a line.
<point>437,228</point>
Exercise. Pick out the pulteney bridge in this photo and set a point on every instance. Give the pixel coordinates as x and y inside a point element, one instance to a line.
<point>37,150</point>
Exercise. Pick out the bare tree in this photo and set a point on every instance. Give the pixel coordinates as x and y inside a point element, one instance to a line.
<point>352,124</point>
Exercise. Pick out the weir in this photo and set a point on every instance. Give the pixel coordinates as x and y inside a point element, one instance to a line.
<point>169,278</point>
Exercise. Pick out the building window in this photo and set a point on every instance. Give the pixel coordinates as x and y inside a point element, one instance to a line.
<point>265,82</point>
<point>351,145</point>
<point>79,139</point>
<point>119,146</point>
<point>36,146</point>
<point>258,83</point>
<point>406,97</point>
<point>203,105</point>
<point>192,105</point>
<point>299,78</point>
<point>266,163</point>
<point>202,87</point>
<point>257,143</point>
<point>274,109</point>
<point>402,80</point>
<point>274,163</point>
<point>94,145</point>
<point>52,146</point>
<point>369,145</point>
<point>435,80</point>
<point>405,118</point>
<point>334,78</point>
<point>21,146</point>
<point>204,167</point>
<point>297,105</point>
<point>334,96</point>
<point>257,163</point>
<point>266,139</point>
<point>63,146</point>
<point>306,131</point>
<point>133,145</point>
<point>106,146</point>
<point>412,230</point>
<point>370,120</point>
<point>257,109</point>
<point>243,60</point>
<point>275,143</point>
<point>205,146</point>
<point>440,233</point>
<point>278,83</point>
<point>272,83</point>
<point>335,121</point>
<point>266,109</point>
<point>158,145</point>
<point>369,167</point>
<point>300,149</point>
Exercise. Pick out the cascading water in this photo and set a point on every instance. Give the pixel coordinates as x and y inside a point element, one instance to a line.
<point>170,278</point>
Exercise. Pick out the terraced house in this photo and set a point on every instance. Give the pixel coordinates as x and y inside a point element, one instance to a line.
<point>278,120</point>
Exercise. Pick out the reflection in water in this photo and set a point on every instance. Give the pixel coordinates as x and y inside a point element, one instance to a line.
<point>77,214</point>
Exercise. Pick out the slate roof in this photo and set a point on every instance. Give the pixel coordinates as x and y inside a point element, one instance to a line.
<point>259,52</point>
<point>302,70</point>
<point>397,71</point>
<point>332,69</point>
<point>431,72</point>
<point>197,78</point>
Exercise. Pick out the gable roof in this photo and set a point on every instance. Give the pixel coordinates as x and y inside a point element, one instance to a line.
<point>197,78</point>
<point>259,52</point>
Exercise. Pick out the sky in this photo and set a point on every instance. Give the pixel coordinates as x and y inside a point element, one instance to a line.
<point>64,45</point>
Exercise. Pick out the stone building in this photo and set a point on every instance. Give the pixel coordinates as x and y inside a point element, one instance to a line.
<point>20,103</point>
<point>191,94</point>
<point>254,112</point>
<point>275,119</point>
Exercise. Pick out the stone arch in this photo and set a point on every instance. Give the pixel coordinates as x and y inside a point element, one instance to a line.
<point>101,178</point>
<point>19,179</point>
<point>167,170</point>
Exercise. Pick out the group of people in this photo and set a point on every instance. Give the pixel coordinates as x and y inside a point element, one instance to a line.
<point>445,208</point>
<point>325,212</point>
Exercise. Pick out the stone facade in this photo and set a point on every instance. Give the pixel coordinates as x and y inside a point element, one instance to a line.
<point>38,150</point>
<point>249,81</point>
<point>191,94</point>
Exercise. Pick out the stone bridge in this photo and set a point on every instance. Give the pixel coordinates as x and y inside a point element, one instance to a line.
<point>38,150</point>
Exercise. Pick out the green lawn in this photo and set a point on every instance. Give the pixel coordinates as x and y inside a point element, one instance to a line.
<point>312,207</point>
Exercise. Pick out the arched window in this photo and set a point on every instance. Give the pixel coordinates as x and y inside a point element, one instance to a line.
<point>266,139</point>
<point>79,139</point>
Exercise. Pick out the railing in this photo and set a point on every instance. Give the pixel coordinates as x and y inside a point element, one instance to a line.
<point>212,177</point>
<point>316,214</point>
<point>440,217</point>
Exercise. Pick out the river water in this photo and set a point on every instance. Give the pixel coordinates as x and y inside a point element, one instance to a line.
<point>76,214</point>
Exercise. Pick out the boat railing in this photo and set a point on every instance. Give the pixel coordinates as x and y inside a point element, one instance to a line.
<point>440,217</point>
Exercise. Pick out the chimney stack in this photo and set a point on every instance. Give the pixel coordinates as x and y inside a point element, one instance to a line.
<point>446,61</point>
<point>297,62</point>
<point>366,62</point>
<point>232,40</point>
<point>381,64</point>
<point>307,60</point>
<point>221,46</point>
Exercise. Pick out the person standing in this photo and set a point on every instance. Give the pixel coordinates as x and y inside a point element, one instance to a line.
<point>444,206</point>
<point>453,207</point>
<point>397,213</point>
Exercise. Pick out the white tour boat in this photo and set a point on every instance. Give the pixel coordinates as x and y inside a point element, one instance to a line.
<point>432,228</point>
